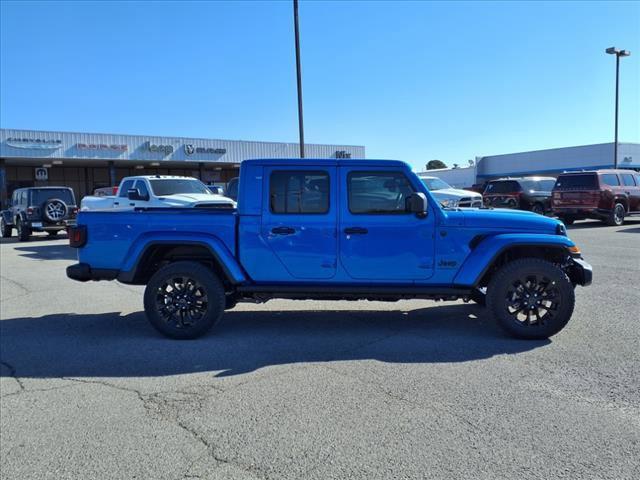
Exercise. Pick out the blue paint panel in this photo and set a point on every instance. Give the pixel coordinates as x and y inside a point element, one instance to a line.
<point>486,251</point>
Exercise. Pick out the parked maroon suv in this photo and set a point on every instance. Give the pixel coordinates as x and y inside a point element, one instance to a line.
<point>607,195</point>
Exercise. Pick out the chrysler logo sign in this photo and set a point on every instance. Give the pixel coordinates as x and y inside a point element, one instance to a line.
<point>38,143</point>
<point>190,150</point>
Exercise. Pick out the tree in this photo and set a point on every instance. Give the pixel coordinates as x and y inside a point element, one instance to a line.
<point>433,164</point>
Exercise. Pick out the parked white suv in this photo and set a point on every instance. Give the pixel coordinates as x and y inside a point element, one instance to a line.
<point>158,191</point>
<point>448,196</point>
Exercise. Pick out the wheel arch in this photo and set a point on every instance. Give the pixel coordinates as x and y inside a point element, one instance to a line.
<point>494,251</point>
<point>154,254</point>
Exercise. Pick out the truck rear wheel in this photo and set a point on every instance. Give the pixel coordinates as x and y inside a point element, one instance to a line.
<point>5,229</point>
<point>531,298</point>
<point>24,232</point>
<point>616,217</point>
<point>183,300</point>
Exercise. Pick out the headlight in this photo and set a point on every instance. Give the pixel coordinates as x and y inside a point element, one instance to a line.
<point>449,203</point>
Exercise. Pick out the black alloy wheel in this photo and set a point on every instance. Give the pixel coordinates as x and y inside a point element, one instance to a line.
<point>184,300</point>
<point>531,298</point>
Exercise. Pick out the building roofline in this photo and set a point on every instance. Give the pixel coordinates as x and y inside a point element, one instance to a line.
<point>558,148</point>
<point>177,137</point>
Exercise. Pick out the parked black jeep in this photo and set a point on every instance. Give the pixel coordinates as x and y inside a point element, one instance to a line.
<point>39,209</point>
<point>524,193</point>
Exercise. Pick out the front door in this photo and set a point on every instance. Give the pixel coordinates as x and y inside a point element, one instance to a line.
<point>299,220</point>
<point>379,239</point>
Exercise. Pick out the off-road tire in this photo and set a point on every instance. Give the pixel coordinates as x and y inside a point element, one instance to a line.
<point>5,229</point>
<point>23,232</point>
<point>616,217</point>
<point>160,304</point>
<point>61,210</point>
<point>502,291</point>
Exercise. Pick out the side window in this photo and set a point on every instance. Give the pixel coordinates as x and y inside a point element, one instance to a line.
<point>299,192</point>
<point>378,192</point>
<point>23,197</point>
<point>14,200</point>
<point>126,186</point>
<point>627,180</point>
<point>610,179</point>
<point>142,187</point>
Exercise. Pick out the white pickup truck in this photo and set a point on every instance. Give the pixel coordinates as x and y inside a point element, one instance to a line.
<point>158,191</point>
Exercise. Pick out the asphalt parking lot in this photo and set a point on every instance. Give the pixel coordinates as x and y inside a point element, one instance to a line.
<point>316,390</point>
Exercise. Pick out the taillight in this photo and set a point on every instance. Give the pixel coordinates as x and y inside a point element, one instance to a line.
<point>115,191</point>
<point>74,210</point>
<point>29,211</point>
<point>78,236</point>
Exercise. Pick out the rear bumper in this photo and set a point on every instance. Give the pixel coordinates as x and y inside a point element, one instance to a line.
<point>581,212</point>
<point>39,226</point>
<point>581,272</point>
<point>82,272</point>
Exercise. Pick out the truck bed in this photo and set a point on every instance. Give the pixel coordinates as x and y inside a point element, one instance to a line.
<point>115,237</point>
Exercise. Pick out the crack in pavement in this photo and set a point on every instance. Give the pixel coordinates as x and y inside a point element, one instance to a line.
<point>159,406</point>
<point>12,374</point>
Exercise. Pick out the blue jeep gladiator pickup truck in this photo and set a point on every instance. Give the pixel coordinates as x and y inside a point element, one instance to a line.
<point>333,229</point>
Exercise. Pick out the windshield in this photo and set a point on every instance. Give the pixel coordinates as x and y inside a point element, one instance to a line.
<point>38,197</point>
<point>538,185</point>
<point>162,187</point>
<point>435,184</point>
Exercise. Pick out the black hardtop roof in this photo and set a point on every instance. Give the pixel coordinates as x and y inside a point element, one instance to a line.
<point>62,187</point>
<point>326,162</point>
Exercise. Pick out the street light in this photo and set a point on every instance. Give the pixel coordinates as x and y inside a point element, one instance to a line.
<point>618,53</point>
<point>298,76</point>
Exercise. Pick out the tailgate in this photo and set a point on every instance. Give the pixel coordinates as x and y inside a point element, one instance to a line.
<point>576,198</point>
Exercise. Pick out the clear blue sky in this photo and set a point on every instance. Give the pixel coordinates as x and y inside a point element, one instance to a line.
<point>414,80</point>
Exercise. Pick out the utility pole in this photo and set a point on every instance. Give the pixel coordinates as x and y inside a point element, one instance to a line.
<point>618,53</point>
<point>299,77</point>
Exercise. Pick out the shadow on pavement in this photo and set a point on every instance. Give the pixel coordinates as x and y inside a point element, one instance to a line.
<point>110,345</point>
<point>58,251</point>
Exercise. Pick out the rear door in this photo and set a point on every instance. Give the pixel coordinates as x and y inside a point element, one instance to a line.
<point>632,190</point>
<point>299,220</point>
<point>379,240</point>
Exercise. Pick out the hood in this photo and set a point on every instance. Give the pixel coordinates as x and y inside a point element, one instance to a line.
<point>183,199</point>
<point>454,193</point>
<point>499,218</point>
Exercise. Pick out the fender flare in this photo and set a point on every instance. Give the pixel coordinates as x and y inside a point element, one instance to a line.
<point>136,253</point>
<point>489,249</point>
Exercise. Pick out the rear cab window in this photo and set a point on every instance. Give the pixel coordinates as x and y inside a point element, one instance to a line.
<point>124,189</point>
<point>299,192</point>
<point>580,181</point>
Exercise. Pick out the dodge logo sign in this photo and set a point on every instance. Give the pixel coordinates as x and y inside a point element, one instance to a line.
<point>188,149</point>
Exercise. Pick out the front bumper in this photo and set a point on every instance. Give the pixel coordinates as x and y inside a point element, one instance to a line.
<point>82,272</point>
<point>580,272</point>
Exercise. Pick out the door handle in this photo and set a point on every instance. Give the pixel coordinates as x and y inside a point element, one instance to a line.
<point>355,231</point>
<point>283,230</point>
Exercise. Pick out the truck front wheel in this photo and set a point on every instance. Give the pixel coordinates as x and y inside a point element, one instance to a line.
<point>531,298</point>
<point>183,300</point>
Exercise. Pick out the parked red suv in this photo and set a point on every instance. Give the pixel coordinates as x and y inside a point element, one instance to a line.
<point>607,195</point>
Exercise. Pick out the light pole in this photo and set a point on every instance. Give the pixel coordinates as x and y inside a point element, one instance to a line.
<point>299,77</point>
<point>618,53</point>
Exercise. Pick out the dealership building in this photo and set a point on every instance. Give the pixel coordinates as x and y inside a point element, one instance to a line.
<point>86,161</point>
<point>554,161</point>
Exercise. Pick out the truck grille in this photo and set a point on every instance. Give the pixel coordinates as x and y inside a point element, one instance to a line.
<point>470,202</point>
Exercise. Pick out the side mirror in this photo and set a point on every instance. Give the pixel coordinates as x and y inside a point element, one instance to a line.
<point>134,194</point>
<point>216,190</point>
<point>417,203</point>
